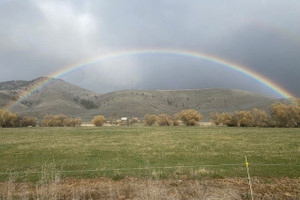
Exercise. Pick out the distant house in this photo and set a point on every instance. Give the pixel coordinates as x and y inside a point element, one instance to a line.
<point>124,118</point>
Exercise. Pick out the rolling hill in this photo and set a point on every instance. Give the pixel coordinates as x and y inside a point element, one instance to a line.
<point>59,96</point>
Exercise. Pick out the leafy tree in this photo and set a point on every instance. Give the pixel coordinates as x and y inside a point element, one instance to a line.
<point>243,118</point>
<point>215,118</point>
<point>8,119</point>
<point>176,119</point>
<point>58,120</point>
<point>261,118</point>
<point>99,120</point>
<point>285,115</point>
<point>150,119</point>
<point>190,117</point>
<point>227,119</point>
<point>164,120</point>
<point>28,121</point>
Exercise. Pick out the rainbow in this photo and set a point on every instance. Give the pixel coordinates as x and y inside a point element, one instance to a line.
<point>183,53</point>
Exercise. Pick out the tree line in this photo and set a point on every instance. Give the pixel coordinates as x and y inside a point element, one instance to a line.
<point>280,115</point>
<point>188,117</point>
<point>9,119</point>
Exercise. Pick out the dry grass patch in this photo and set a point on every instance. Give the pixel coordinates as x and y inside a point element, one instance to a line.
<point>134,188</point>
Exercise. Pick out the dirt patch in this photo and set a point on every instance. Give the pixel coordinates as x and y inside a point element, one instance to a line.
<point>134,188</point>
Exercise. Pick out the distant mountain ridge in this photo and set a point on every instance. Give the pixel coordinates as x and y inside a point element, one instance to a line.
<point>58,96</point>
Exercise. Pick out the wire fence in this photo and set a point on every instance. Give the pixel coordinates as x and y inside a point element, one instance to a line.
<point>153,168</point>
<point>246,164</point>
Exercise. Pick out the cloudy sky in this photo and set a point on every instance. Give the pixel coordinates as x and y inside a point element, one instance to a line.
<point>39,38</point>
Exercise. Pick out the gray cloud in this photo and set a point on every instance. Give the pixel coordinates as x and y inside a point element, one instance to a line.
<point>41,37</point>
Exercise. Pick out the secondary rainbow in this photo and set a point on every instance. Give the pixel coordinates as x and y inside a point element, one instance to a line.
<point>183,53</point>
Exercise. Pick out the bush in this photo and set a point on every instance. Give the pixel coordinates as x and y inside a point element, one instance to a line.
<point>176,119</point>
<point>150,119</point>
<point>190,117</point>
<point>8,119</point>
<point>243,118</point>
<point>164,120</point>
<point>58,120</point>
<point>215,118</point>
<point>255,117</point>
<point>227,119</point>
<point>28,121</point>
<point>261,118</point>
<point>285,115</point>
<point>99,120</point>
<point>133,121</point>
<point>77,121</point>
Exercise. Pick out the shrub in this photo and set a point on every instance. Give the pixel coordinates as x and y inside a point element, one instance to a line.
<point>99,120</point>
<point>255,117</point>
<point>190,117</point>
<point>133,121</point>
<point>285,115</point>
<point>28,121</point>
<point>8,119</point>
<point>243,118</point>
<point>261,118</point>
<point>176,119</point>
<point>58,120</point>
<point>164,120</point>
<point>77,121</point>
<point>150,119</point>
<point>215,118</point>
<point>227,119</point>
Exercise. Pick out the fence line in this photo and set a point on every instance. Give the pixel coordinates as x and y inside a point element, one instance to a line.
<point>148,168</point>
<point>262,164</point>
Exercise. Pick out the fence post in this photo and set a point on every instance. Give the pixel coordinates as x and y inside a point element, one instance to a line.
<point>249,178</point>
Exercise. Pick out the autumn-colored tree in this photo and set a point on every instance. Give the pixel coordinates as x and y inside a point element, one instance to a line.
<point>261,118</point>
<point>227,119</point>
<point>164,120</point>
<point>243,118</point>
<point>215,118</point>
<point>77,121</point>
<point>69,122</point>
<point>58,120</point>
<point>28,121</point>
<point>133,121</point>
<point>150,119</point>
<point>176,119</point>
<point>8,119</point>
<point>254,117</point>
<point>285,115</point>
<point>190,117</point>
<point>99,120</point>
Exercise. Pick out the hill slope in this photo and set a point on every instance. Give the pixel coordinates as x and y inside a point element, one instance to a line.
<point>59,96</point>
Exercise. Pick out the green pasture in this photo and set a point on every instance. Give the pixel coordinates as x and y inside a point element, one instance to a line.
<point>156,152</point>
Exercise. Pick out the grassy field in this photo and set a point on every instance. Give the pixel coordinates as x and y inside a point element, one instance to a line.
<point>67,151</point>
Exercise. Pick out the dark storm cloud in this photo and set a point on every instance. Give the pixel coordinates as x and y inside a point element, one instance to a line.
<point>41,37</point>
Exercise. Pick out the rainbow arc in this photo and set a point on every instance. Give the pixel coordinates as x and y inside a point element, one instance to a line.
<point>183,53</point>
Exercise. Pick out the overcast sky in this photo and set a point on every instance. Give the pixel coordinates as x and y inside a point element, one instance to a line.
<point>39,38</point>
